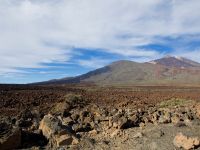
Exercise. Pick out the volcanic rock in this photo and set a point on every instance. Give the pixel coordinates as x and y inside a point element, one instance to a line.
<point>50,125</point>
<point>10,137</point>
<point>182,141</point>
<point>58,134</point>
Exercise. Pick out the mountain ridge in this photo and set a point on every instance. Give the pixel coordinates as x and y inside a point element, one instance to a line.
<point>166,70</point>
<point>174,61</point>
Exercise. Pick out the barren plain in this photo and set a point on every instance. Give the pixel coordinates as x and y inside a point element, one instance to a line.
<point>91,117</point>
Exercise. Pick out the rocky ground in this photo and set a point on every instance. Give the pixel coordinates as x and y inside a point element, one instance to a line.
<point>73,121</point>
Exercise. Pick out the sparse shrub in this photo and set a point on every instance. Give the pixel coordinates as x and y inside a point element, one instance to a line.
<point>174,102</point>
<point>73,98</point>
<point>70,101</point>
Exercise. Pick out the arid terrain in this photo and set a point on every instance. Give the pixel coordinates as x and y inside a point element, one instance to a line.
<point>99,75</point>
<point>91,117</point>
<point>169,70</point>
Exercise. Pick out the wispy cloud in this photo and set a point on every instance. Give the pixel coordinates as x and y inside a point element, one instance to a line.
<point>94,62</point>
<point>34,32</point>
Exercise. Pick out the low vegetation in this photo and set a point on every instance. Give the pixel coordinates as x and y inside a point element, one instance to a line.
<point>174,102</point>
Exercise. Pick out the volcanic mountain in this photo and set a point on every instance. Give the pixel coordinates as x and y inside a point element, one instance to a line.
<point>165,71</point>
<point>178,62</point>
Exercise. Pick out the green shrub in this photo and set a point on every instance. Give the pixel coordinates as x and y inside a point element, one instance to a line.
<point>175,102</point>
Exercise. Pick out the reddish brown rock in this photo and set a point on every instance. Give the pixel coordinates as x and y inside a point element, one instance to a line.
<point>53,129</point>
<point>187,143</point>
<point>50,125</point>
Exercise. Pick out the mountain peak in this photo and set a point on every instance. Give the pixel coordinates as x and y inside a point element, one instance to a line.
<point>179,57</point>
<point>168,56</point>
<point>174,57</point>
<point>175,61</point>
<point>124,72</point>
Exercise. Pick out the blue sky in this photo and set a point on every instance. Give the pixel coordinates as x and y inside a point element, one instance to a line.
<point>42,40</point>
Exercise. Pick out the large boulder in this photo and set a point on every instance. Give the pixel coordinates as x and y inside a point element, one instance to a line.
<point>187,143</point>
<point>10,137</point>
<point>50,126</point>
<point>63,138</point>
<point>58,135</point>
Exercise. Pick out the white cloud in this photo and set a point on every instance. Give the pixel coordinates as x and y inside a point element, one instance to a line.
<point>135,52</point>
<point>116,26</point>
<point>191,54</point>
<point>94,62</point>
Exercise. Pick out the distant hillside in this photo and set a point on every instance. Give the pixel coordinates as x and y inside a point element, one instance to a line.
<point>178,62</point>
<point>167,70</point>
